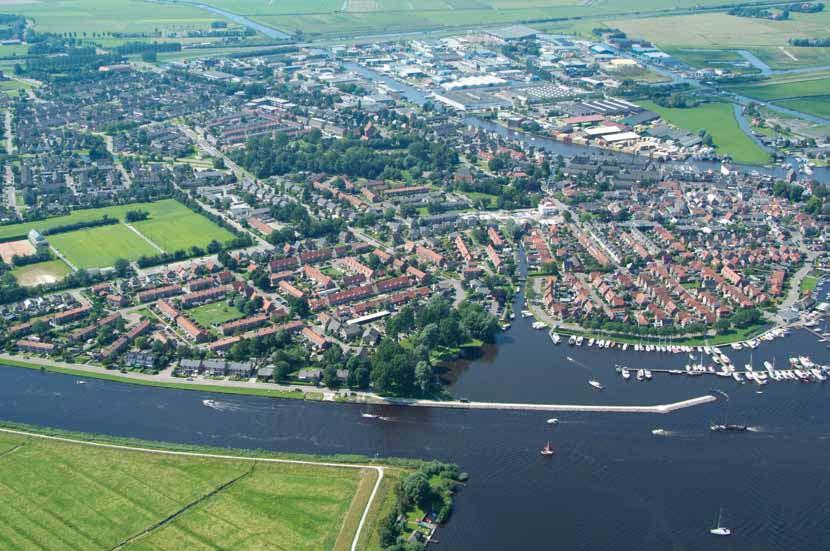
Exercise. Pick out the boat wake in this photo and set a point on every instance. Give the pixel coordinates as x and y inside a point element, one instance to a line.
<point>219,406</point>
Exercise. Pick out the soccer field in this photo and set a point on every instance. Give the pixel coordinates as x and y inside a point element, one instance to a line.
<point>173,226</point>
<point>56,495</point>
<point>100,247</point>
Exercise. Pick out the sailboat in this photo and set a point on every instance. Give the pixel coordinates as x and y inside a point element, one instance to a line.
<point>720,529</point>
<point>547,450</point>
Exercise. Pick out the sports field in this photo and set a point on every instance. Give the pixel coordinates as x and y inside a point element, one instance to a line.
<point>173,226</point>
<point>56,495</point>
<point>41,273</point>
<point>101,247</point>
<point>719,120</point>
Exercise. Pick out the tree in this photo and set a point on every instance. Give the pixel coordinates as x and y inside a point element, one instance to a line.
<point>122,267</point>
<point>393,370</point>
<point>423,376</point>
<point>330,377</point>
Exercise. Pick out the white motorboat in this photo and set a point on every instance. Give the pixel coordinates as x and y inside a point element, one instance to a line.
<point>596,384</point>
<point>625,373</point>
<point>553,421</point>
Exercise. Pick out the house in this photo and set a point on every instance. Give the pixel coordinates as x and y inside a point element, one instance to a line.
<point>189,367</point>
<point>142,359</point>
<point>35,347</point>
<point>241,370</point>
<point>214,367</point>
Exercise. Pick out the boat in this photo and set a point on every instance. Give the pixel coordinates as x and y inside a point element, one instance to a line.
<point>369,416</point>
<point>569,358</point>
<point>547,450</point>
<point>596,384</point>
<point>728,428</point>
<point>647,374</point>
<point>572,340</point>
<point>590,342</point>
<point>640,374</point>
<point>625,373</point>
<point>554,336</point>
<point>659,432</point>
<point>579,341</point>
<point>553,421</point>
<point>539,325</point>
<point>720,529</point>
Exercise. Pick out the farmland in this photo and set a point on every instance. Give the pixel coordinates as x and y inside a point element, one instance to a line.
<point>719,120</point>
<point>101,247</point>
<point>99,16</point>
<point>716,31</point>
<point>807,93</point>
<point>70,496</point>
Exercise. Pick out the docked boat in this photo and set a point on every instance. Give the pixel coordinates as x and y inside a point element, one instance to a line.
<point>625,373</point>
<point>554,336</point>
<point>596,384</point>
<point>579,341</point>
<point>572,340</point>
<point>590,342</point>
<point>539,325</point>
<point>647,374</point>
<point>640,374</point>
<point>547,449</point>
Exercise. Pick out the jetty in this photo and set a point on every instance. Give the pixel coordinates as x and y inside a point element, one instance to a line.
<point>587,408</point>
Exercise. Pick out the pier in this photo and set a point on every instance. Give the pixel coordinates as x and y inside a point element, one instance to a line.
<point>586,408</point>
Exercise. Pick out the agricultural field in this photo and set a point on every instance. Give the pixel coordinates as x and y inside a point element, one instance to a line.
<point>362,17</point>
<point>215,313</point>
<point>719,120</point>
<point>101,246</point>
<point>720,31</point>
<point>57,495</point>
<point>85,17</point>
<point>808,92</point>
<point>41,273</point>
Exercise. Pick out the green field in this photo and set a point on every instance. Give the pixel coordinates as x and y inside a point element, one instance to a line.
<point>215,313</point>
<point>808,93</point>
<point>40,273</point>
<point>173,226</point>
<point>101,247</point>
<point>719,120</point>
<point>763,37</point>
<point>57,495</point>
<point>94,16</point>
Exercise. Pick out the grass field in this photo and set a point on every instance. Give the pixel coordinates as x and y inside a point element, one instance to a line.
<point>40,273</point>
<point>215,313</point>
<point>94,16</point>
<point>101,247</point>
<point>808,93</point>
<point>173,226</point>
<point>56,495</point>
<point>719,120</point>
<point>722,31</point>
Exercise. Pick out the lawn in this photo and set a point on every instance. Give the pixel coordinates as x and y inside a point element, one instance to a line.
<point>719,120</point>
<point>816,105</point>
<point>41,273</point>
<point>795,86</point>
<point>215,313</point>
<point>808,284</point>
<point>100,247</point>
<point>57,495</point>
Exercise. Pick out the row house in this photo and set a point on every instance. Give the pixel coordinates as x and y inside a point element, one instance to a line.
<point>244,324</point>
<point>290,290</point>
<point>84,333</point>
<point>69,316</point>
<point>318,277</point>
<point>462,249</point>
<point>151,295</point>
<point>428,255</point>
<point>204,296</point>
<point>354,265</point>
<point>193,331</point>
<point>35,347</point>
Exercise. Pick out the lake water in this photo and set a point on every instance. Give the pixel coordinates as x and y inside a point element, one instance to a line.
<point>611,485</point>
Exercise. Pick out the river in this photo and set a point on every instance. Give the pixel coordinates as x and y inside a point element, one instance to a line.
<point>611,485</point>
